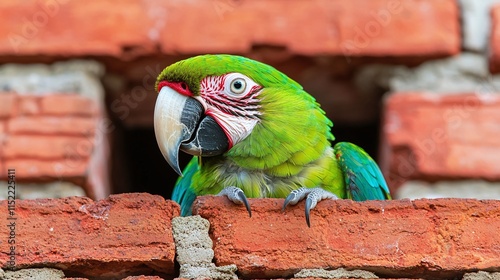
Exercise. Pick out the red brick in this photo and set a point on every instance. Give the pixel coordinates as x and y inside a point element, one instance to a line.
<point>7,104</point>
<point>68,104</point>
<point>309,278</point>
<point>36,170</point>
<point>48,147</point>
<point>428,136</point>
<point>3,175</point>
<point>41,27</point>
<point>3,129</point>
<point>28,105</point>
<point>98,185</point>
<point>337,27</point>
<point>82,126</point>
<point>414,28</point>
<point>122,235</point>
<point>3,136</point>
<point>317,278</point>
<point>400,238</point>
<point>143,277</point>
<point>494,45</point>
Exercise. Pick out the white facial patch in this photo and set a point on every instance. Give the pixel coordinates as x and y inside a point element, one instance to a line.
<point>237,128</point>
<point>232,100</point>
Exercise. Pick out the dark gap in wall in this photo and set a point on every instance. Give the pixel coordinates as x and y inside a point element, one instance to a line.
<point>365,136</point>
<point>148,171</point>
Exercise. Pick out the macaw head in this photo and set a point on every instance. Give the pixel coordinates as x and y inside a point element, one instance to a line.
<point>208,105</point>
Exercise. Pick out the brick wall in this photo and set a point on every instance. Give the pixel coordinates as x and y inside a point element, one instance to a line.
<point>50,137</point>
<point>339,28</point>
<point>53,130</point>
<point>141,234</point>
<point>415,81</point>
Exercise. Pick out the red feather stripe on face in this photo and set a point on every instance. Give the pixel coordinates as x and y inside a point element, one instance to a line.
<point>212,89</point>
<point>247,106</point>
<point>213,84</point>
<point>236,112</point>
<point>180,87</point>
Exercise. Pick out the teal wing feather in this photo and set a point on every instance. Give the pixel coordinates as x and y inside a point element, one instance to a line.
<point>362,176</point>
<point>183,192</point>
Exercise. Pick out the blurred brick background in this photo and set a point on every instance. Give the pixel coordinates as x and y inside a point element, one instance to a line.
<point>413,82</point>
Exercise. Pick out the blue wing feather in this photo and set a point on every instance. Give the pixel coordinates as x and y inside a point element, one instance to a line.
<point>362,176</point>
<point>183,193</point>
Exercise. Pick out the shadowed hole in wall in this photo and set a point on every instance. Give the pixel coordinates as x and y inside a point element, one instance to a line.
<point>147,170</point>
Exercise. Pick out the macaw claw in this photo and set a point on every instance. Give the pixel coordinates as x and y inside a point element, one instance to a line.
<point>237,196</point>
<point>314,195</point>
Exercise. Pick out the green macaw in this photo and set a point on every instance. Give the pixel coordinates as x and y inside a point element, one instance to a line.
<point>254,132</point>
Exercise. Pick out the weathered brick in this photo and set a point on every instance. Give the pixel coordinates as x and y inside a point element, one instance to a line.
<point>8,103</point>
<point>48,147</point>
<point>3,136</point>
<point>428,136</point>
<point>98,183</point>
<point>314,278</point>
<point>28,105</point>
<point>2,129</point>
<point>494,45</point>
<point>82,126</point>
<point>122,235</point>
<point>310,278</point>
<point>68,105</point>
<point>39,27</point>
<point>143,277</point>
<point>340,27</point>
<point>380,28</point>
<point>37,170</point>
<point>400,238</point>
<point>3,175</point>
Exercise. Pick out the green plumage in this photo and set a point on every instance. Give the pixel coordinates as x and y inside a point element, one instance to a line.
<point>288,148</point>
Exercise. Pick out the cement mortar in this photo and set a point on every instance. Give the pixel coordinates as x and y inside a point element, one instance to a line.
<point>33,274</point>
<point>194,250</point>
<point>335,274</point>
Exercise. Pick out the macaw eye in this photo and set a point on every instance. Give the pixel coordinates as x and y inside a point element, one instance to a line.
<point>238,86</point>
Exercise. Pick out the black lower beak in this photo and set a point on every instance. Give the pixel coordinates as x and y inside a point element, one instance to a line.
<point>209,139</point>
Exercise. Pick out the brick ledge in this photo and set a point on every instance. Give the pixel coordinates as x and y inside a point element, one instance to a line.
<point>131,234</point>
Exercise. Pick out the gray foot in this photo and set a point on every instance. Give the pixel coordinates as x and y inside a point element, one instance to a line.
<point>314,196</point>
<point>237,196</point>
